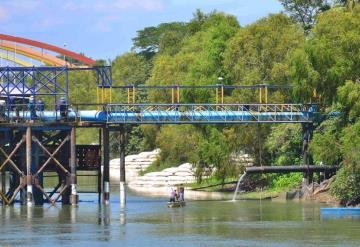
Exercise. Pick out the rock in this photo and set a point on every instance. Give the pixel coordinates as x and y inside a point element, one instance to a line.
<point>133,164</point>
<point>168,177</point>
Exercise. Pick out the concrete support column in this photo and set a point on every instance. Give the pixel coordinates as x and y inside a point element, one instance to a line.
<point>74,198</point>
<point>29,187</point>
<point>122,166</point>
<point>106,164</point>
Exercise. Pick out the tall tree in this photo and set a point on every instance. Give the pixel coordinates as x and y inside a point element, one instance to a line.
<point>305,11</point>
<point>151,40</point>
<point>330,56</point>
<point>258,53</point>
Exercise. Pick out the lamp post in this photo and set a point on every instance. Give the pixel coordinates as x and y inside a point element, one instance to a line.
<point>64,54</point>
<point>220,91</point>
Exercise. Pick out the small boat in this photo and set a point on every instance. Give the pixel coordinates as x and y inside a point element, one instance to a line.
<point>339,212</point>
<point>177,204</point>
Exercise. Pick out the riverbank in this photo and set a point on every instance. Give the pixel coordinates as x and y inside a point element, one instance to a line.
<point>161,183</point>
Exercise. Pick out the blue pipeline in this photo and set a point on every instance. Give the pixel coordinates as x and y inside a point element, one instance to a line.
<point>167,116</point>
<point>212,116</point>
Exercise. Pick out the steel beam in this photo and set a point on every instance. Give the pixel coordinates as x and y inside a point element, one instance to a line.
<point>74,196</point>
<point>106,164</point>
<point>122,166</point>
<point>29,187</point>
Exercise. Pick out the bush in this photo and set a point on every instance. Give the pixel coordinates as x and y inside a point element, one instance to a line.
<point>287,181</point>
<point>346,186</point>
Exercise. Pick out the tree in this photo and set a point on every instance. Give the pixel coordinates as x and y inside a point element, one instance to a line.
<point>258,52</point>
<point>349,100</point>
<point>129,68</point>
<point>347,183</point>
<point>284,144</point>
<point>330,56</point>
<point>305,11</point>
<point>177,145</point>
<point>213,152</point>
<point>325,145</point>
<point>199,60</point>
<point>151,40</point>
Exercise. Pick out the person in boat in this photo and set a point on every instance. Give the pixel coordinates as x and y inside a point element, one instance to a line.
<point>173,195</point>
<point>181,193</point>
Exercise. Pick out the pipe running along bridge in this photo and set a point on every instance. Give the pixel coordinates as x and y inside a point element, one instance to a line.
<point>38,119</point>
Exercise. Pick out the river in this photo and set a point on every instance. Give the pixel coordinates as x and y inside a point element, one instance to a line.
<point>147,221</point>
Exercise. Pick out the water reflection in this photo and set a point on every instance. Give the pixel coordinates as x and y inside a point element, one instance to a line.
<point>122,216</point>
<point>148,222</point>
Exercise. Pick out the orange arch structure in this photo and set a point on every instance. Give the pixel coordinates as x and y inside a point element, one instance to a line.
<point>32,53</point>
<point>46,58</point>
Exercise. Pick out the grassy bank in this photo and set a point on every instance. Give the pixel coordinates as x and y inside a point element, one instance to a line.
<point>264,186</point>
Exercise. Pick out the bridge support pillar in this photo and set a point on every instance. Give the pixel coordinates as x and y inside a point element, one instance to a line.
<point>106,164</point>
<point>74,198</point>
<point>122,167</point>
<point>307,129</point>
<point>29,187</point>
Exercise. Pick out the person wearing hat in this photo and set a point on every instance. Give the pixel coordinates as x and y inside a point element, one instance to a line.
<point>63,107</point>
<point>32,108</point>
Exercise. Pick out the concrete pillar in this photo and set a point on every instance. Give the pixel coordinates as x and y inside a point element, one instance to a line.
<point>122,167</point>
<point>29,186</point>
<point>74,198</point>
<point>106,164</point>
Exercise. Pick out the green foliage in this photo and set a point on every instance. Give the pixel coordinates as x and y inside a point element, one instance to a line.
<point>323,67</point>
<point>350,139</point>
<point>129,68</point>
<point>284,144</point>
<point>258,54</point>
<point>325,145</point>
<point>176,144</point>
<point>198,61</point>
<point>349,99</point>
<point>330,56</point>
<point>346,186</point>
<point>305,11</point>
<point>214,153</point>
<point>150,39</point>
<point>285,182</point>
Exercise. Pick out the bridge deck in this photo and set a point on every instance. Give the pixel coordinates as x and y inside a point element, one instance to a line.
<point>173,114</point>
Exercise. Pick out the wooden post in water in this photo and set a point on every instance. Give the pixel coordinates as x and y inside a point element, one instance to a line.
<point>122,167</point>
<point>29,197</point>
<point>74,196</point>
<point>106,163</point>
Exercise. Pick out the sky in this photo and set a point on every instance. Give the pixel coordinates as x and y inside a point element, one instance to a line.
<point>103,29</point>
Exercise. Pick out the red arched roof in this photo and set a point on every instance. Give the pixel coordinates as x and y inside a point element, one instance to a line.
<point>45,46</point>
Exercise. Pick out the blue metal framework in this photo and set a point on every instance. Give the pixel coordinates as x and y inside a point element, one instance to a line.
<point>103,76</point>
<point>207,113</point>
<point>33,81</point>
<point>45,80</point>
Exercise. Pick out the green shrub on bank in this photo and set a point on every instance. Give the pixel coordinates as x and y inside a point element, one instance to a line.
<point>285,182</point>
<point>346,187</point>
